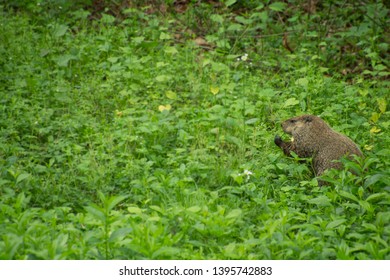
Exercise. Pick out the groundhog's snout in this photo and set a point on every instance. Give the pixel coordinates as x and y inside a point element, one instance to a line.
<point>285,128</point>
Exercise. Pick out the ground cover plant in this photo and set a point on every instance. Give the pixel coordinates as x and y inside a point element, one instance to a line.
<point>144,129</point>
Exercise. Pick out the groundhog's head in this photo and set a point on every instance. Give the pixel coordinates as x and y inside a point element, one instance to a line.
<point>294,125</point>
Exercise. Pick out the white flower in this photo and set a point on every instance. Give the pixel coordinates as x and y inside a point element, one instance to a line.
<point>247,173</point>
<point>244,57</point>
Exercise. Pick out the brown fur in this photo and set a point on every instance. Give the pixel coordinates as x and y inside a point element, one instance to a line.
<point>312,137</point>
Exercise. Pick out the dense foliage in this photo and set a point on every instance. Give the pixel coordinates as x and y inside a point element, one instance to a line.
<point>145,130</point>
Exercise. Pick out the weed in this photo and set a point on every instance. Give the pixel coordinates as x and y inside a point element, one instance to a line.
<point>140,132</point>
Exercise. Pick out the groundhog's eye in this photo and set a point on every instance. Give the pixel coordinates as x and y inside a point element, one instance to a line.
<point>293,121</point>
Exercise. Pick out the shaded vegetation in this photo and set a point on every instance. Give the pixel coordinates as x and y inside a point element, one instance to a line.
<point>141,130</point>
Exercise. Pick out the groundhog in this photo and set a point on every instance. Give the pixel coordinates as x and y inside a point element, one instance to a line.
<point>312,137</point>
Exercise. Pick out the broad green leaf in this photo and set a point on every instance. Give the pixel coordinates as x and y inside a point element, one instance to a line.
<point>243,20</point>
<point>63,60</point>
<point>164,36</point>
<point>206,62</point>
<point>235,27</point>
<point>96,212</point>
<point>119,234</point>
<point>335,223</point>
<point>12,244</point>
<point>138,40</point>
<point>60,30</point>
<point>355,235</point>
<point>278,6</point>
<point>134,210</point>
<point>259,6</point>
<point>322,200</point>
<point>267,92</point>
<point>253,241</point>
<point>230,249</point>
<point>161,64</point>
<point>162,78</point>
<point>366,206</point>
<point>101,196</point>
<point>374,130</point>
<point>223,43</point>
<point>234,140</point>
<point>170,50</point>
<point>113,59</point>
<point>154,219</point>
<point>238,179</point>
<point>252,121</point>
<point>382,104</point>
<point>235,213</point>
<point>214,90</point>
<point>217,18</point>
<point>21,200</point>
<point>228,3</point>
<point>291,102</point>
<point>384,73</point>
<point>215,130</point>
<point>22,177</point>
<point>348,195</point>
<point>157,208</point>
<point>378,239</point>
<point>375,117</point>
<point>171,94</point>
<point>220,67</point>
<point>302,82</point>
<point>162,108</point>
<point>108,19</point>
<point>370,226</point>
<point>193,209</point>
<point>383,218</point>
<point>114,201</point>
<point>288,188</point>
<point>380,67</point>
<point>377,196</point>
<point>61,240</point>
<point>166,252</point>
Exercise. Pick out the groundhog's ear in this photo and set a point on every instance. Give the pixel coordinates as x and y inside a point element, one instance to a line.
<point>308,119</point>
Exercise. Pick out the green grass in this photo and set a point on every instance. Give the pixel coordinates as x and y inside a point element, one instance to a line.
<point>93,167</point>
